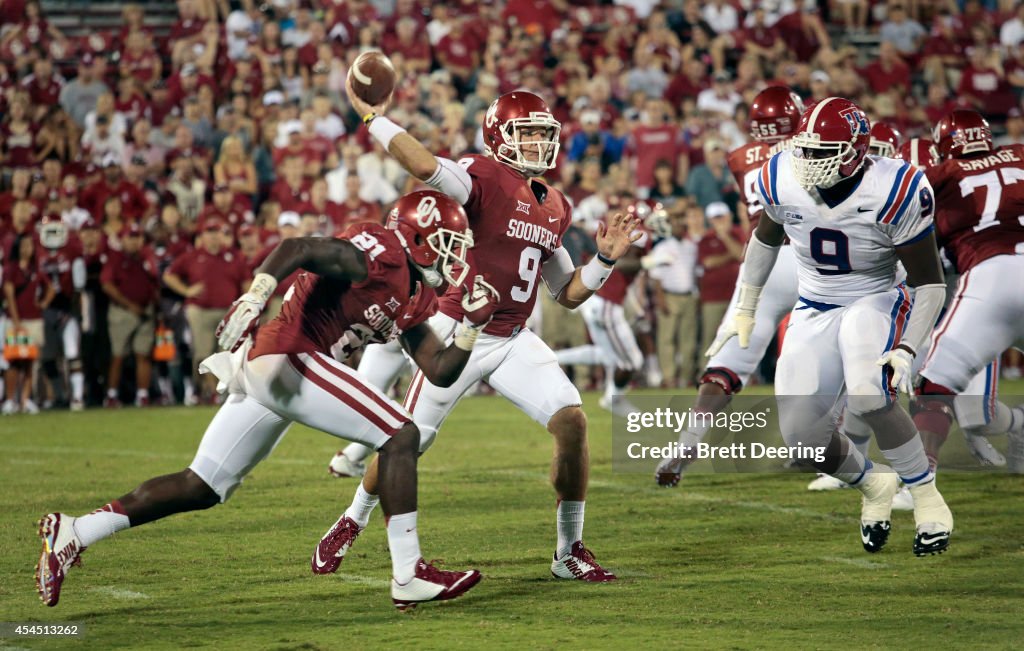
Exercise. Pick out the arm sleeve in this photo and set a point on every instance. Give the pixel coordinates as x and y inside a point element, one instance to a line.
<point>452,179</point>
<point>928,301</point>
<point>758,263</point>
<point>558,271</point>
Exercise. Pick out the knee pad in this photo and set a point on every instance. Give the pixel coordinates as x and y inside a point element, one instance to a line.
<point>932,407</point>
<point>213,474</point>
<point>865,399</point>
<point>723,377</point>
<point>427,436</point>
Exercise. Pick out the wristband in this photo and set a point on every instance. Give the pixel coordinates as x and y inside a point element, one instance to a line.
<point>368,118</point>
<point>383,130</point>
<point>594,273</point>
<point>748,298</point>
<point>263,285</point>
<point>608,261</point>
<point>466,334</point>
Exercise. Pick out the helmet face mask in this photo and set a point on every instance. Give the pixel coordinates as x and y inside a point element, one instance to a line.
<point>520,131</point>
<point>831,143</point>
<point>885,140</point>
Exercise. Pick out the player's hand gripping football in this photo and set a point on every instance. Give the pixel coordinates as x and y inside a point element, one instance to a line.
<point>901,361</point>
<point>615,237</point>
<point>363,108</point>
<point>244,314</point>
<point>479,300</point>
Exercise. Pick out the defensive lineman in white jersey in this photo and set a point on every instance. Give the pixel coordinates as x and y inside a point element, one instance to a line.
<point>851,218</point>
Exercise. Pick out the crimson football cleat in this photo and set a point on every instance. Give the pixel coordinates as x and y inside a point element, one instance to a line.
<point>331,549</point>
<point>432,584</point>
<point>61,550</point>
<point>581,565</point>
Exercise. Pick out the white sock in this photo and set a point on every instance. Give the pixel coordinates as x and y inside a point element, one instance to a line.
<point>142,393</point>
<point>570,525</point>
<point>853,468</point>
<point>111,393</point>
<point>77,385</point>
<point>910,462</point>
<point>862,443</point>
<point>404,543</point>
<point>362,506</point>
<point>190,390</point>
<point>101,523</point>
<point>357,452</point>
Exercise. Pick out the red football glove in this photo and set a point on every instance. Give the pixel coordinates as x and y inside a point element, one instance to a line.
<point>479,300</point>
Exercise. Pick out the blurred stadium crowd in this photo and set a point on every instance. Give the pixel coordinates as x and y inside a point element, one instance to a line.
<point>149,168</point>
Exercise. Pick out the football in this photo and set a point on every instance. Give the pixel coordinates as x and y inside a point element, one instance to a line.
<point>373,77</point>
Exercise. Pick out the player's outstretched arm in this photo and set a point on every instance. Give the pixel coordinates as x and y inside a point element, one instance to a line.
<point>440,173</point>
<point>924,273</point>
<point>443,365</point>
<point>328,257</point>
<point>762,250</point>
<point>614,240</point>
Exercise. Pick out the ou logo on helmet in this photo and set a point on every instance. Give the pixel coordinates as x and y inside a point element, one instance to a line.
<point>858,123</point>
<point>427,212</point>
<point>491,118</point>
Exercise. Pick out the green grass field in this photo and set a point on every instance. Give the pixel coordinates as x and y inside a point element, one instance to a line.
<point>723,561</point>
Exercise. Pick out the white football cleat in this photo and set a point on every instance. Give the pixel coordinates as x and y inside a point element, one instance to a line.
<point>10,408</point>
<point>61,550</point>
<point>30,408</point>
<point>933,518</point>
<point>431,584</point>
<point>982,450</point>
<point>78,405</point>
<point>825,482</point>
<point>878,487</point>
<point>579,564</point>
<point>342,466</point>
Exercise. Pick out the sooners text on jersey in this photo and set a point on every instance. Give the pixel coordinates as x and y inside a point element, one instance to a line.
<point>513,235</point>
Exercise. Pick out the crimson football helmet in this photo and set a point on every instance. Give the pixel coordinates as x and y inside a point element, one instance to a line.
<point>831,143</point>
<point>434,231</point>
<point>53,232</point>
<point>512,125</point>
<point>775,114</point>
<point>657,222</point>
<point>885,140</point>
<point>963,131</point>
<point>919,152</point>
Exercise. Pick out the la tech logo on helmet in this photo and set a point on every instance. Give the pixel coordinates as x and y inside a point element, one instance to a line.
<point>858,124</point>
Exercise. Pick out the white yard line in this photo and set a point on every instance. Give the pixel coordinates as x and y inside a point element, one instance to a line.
<point>120,593</point>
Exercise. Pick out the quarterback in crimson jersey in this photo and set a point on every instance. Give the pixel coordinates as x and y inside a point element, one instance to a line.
<point>979,199</point>
<point>373,284</point>
<point>518,222</point>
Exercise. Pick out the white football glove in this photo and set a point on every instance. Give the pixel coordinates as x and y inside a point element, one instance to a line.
<point>901,362</point>
<point>243,316</point>
<point>741,323</point>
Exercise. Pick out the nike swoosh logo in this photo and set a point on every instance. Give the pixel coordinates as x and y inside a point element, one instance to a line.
<point>552,219</point>
<point>929,541</point>
<point>863,536</point>
<point>863,210</point>
<point>319,562</point>
<point>464,576</point>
